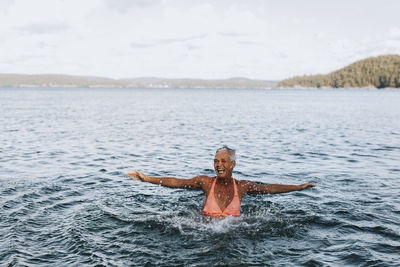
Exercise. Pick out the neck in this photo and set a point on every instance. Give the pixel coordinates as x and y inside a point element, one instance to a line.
<point>224,180</point>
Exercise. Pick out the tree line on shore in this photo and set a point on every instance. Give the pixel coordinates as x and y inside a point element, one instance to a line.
<point>376,72</point>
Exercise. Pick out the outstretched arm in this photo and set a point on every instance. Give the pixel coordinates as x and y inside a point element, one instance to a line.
<point>194,183</point>
<point>254,188</point>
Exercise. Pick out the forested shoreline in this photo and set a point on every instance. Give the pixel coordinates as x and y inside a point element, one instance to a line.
<point>373,72</point>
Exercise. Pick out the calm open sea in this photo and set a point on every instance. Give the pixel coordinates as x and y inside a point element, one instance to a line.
<point>66,200</point>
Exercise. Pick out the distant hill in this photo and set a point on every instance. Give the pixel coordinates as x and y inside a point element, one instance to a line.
<point>54,80</point>
<point>373,72</point>
<point>57,80</point>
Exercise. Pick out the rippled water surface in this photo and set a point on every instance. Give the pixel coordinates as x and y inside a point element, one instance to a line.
<point>66,200</point>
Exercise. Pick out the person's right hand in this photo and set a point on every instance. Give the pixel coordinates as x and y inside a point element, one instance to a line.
<point>137,175</point>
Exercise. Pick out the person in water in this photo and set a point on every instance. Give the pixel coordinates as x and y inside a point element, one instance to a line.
<point>223,192</point>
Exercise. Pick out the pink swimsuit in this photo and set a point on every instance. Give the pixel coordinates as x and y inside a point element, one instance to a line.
<point>212,209</point>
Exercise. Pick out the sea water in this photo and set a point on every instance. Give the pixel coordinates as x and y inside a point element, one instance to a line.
<point>66,199</point>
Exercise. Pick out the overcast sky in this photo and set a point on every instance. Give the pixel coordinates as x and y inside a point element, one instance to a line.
<point>260,39</point>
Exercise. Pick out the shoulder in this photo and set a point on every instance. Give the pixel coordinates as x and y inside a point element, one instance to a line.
<point>242,187</point>
<point>245,186</point>
<point>205,182</point>
<point>203,179</point>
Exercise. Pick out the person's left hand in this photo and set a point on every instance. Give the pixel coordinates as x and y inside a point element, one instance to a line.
<point>308,185</point>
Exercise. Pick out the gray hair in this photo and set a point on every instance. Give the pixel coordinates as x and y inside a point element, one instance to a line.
<point>232,152</point>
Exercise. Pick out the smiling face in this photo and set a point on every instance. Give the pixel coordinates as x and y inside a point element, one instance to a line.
<point>223,165</point>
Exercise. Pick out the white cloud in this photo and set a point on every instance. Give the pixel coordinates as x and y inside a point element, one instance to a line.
<point>124,6</point>
<point>5,5</point>
<point>187,38</point>
<point>394,33</point>
<point>44,28</point>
